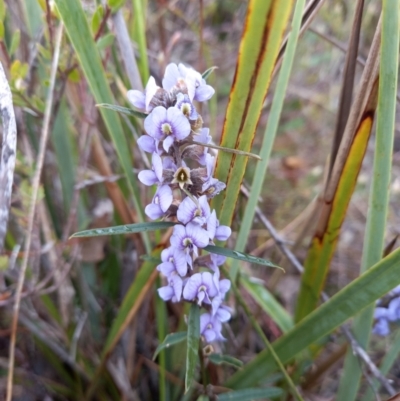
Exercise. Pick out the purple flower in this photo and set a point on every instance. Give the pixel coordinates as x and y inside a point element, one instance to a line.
<point>147,144</point>
<point>188,238</point>
<point>200,286</point>
<point>184,104</point>
<point>189,211</point>
<point>142,100</point>
<point>187,79</point>
<point>167,125</point>
<point>212,261</point>
<point>173,260</point>
<point>219,232</point>
<point>223,313</point>
<point>212,187</point>
<point>154,176</point>
<point>160,204</point>
<point>393,310</point>
<point>210,328</point>
<point>172,291</point>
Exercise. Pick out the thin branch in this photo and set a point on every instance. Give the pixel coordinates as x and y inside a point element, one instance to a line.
<point>8,152</point>
<point>357,349</point>
<point>35,191</point>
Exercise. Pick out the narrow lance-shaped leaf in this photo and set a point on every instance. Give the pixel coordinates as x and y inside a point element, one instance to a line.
<point>262,35</point>
<point>359,294</point>
<point>193,339</point>
<point>124,229</point>
<point>170,339</point>
<point>219,359</point>
<point>340,187</point>
<point>121,109</point>
<point>240,256</point>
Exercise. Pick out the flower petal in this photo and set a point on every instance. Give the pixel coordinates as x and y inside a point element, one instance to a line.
<point>147,143</point>
<point>171,76</point>
<point>152,123</point>
<point>137,99</point>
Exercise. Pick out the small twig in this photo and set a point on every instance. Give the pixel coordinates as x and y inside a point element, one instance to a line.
<point>8,152</point>
<point>357,349</point>
<point>35,191</point>
<point>49,24</point>
<point>102,24</point>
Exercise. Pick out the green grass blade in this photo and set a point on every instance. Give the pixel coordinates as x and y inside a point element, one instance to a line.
<point>251,394</point>
<point>140,25</point>
<point>193,339</point>
<point>356,296</point>
<point>262,35</point>
<point>270,133</point>
<point>389,359</point>
<point>268,303</point>
<point>379,195</point>
<point>81,38</point>
<point>124,229</point>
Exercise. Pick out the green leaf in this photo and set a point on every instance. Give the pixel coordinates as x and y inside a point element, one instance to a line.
<point>81,38</point>
<point>359,294</point>
<point>170,339</point>
<point>125,229</point>
<point>115,4</point>
<point>16,38</point>
<point>268,303</point>
<point>208,72</point>
<point>1,30</point>
<point>193,339</point>
<point>219,359</point>
<point>97,18</point>
<point>105,41</point>
<point>240,256</point>
<point>250,394</point>
<point>121,109</point>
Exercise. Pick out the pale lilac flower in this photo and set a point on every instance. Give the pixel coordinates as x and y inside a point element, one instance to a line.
<point>223,313</point>
<point>142,100</point>
<point>381,326</point>
<point>189,79</point>
<point>217,231</point>
<point>393,310</point>
<point>187,108</point>
<point>147,144</point>
<point>154,176</point>
<point>189,211</point>
<point>188,238</point>
<point>200,286</point>
<point>173,260</point>
<point>167,125</point>
<point>210,328</point>
<point>212,187</point>
<point>212,261</point>
<point>161,202</point>
<point>172,291</point>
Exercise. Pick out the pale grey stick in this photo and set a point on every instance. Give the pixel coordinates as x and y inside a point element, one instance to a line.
<point>8,152</point>
<point>126,50</point>
<point>357,349</point>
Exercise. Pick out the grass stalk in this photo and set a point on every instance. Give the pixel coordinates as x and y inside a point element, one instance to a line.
<point>269,135</point>
<point>379,195</point>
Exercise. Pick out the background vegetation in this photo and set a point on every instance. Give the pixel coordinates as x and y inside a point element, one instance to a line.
<point>314,95</point>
